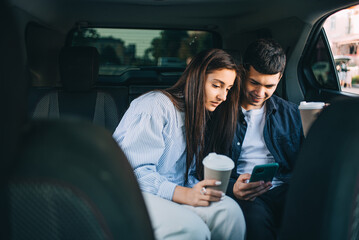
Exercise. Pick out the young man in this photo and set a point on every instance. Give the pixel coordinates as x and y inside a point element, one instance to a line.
<point>269,130</point>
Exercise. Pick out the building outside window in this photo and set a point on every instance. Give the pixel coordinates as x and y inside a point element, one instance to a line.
<point>342,29</point>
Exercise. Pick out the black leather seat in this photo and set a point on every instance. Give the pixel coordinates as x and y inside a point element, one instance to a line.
<point>79,68</point>
<point>323,199</point>
<point>13,82</point>
<point>66,180</point>
<point>72,181</point>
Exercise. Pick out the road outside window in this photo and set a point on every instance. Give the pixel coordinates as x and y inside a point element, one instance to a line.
<point>125,49</point>
<point>342,29</point>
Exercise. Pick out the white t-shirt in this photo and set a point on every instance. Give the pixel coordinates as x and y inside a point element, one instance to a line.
<point>254,150</point>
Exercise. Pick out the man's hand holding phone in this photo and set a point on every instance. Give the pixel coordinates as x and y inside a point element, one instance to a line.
<point>244,190</point>
<point>250,186</point>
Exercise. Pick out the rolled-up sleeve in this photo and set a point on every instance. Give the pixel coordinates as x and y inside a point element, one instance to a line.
<point>141,138</point>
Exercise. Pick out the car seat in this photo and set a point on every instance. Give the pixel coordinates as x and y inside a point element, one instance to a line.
<point>72,181</point>
<point>13,92</point>
<point>79,68</point>
<point>323,198</point>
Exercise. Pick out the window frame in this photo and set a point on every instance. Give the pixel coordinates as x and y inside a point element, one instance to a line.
<point>312,91</point>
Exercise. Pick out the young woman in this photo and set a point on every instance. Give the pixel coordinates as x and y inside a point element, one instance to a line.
<point>165,135</point>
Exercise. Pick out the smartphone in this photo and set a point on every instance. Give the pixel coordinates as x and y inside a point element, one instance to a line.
<point>264,172</point>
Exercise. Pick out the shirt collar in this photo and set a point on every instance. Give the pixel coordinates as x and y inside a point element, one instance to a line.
<point>271,106</point>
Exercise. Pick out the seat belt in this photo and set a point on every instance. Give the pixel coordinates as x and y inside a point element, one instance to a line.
<point>99,113</point>
<point>48,107</point>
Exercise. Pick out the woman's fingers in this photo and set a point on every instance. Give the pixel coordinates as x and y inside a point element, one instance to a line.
<point>208,194</point>
<point>214,193</point>
<point>208,182</point>
<point>212,198</point>
<point>203,194</point>
<point>207,198</point>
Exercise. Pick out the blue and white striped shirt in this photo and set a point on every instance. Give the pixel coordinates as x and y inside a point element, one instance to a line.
<point>152,136</point>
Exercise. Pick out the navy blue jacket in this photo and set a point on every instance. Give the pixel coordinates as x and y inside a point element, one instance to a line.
<point>283,135</point>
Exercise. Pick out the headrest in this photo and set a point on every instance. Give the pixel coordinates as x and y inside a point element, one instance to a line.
<point>79,67</point>
<point>329,155</point>
<point>73,175</point>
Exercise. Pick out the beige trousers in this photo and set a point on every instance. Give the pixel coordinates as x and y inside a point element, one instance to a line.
<point>220,220</point>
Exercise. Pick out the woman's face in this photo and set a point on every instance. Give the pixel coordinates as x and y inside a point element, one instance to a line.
<point>216,88</point>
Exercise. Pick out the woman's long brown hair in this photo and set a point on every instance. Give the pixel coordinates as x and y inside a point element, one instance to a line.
<point>205,131</point>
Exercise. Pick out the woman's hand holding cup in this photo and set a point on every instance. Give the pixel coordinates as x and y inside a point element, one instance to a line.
<point>199,195</point>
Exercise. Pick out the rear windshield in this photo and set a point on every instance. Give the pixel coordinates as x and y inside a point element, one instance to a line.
<point>126,49</point>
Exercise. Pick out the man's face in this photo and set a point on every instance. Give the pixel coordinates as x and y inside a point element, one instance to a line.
<point>257,88</point>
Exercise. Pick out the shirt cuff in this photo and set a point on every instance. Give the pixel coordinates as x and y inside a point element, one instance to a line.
<point>166,190</point>
<point>192,180</point>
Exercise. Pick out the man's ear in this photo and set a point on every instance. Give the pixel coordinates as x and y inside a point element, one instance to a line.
<point>280,76</point>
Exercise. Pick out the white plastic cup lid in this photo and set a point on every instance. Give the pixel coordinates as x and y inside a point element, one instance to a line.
<point>218,162</point>
<point>311,105</point>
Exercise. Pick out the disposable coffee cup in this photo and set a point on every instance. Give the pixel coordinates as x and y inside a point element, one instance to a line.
<point>309,112</point>
<point>218,167</point>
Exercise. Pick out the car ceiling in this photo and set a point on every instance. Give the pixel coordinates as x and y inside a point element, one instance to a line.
<point>238,22</point>
<point>217,15</point>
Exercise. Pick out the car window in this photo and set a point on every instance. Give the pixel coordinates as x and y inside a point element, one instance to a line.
<point>321,65</point>
<point>122,50</point>
<point>342,30</point>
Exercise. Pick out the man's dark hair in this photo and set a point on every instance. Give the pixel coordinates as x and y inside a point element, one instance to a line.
<point>265,56</point>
